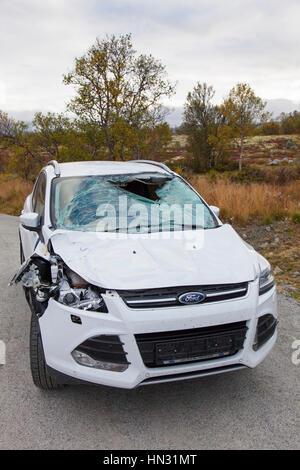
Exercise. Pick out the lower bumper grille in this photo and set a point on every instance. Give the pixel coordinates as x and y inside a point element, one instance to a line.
<point>107,348</point>
<point>266,326</point>
<point>185,346</point>
<point>169,296</point>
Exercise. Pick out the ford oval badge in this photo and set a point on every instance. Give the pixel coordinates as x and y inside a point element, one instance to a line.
<point>191,298</point>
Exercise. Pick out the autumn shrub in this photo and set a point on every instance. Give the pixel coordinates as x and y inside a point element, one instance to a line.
<point>283,175</point>
<point>248,174</point>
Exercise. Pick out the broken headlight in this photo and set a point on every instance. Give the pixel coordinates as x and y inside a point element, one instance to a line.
<point>75,292</point>
<point>52,278</point>
<point>35,274</point>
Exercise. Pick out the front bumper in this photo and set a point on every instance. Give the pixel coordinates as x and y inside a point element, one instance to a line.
<point>60,336</point>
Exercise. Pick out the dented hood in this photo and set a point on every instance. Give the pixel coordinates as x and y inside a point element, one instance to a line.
<point>216,256</point>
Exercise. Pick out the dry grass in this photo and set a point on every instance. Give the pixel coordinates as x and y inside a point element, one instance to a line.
<point>245,202</point>
<point>240,202</point>
<point>13,192</point>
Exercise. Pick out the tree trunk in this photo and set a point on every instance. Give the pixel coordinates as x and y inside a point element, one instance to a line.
<point>241,153</point>
<point>111,152</point>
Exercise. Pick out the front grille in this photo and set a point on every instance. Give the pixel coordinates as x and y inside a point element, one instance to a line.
<point>106,348</point>
<point>168,296</point>
<point>184,346</point>
<point>266,326</point>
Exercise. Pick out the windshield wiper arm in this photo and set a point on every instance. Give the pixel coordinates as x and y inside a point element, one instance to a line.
<point>117,229</point>
<point>192,226</point>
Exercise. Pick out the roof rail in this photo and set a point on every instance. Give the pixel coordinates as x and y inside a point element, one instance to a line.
<point>152,162</point>
<point>55,166</point>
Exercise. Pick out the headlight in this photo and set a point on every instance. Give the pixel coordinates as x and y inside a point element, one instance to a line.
<point>266,280</point>
<point>88,298</point>
<point>75,292</point>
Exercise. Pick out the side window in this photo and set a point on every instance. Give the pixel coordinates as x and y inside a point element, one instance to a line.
<point>38,198</point>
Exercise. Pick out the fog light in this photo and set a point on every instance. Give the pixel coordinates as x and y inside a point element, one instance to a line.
<point>266,327</point>
<point>85,360</point>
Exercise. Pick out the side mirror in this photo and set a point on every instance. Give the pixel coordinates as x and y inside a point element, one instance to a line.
<point>215,210</point>
<point>30,221</point>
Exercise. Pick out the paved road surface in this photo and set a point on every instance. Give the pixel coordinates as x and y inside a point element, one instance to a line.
<point>244,409</point>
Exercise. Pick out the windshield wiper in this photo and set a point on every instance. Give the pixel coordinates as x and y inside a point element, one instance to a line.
<point>157,227</point>
<point>170,227</point>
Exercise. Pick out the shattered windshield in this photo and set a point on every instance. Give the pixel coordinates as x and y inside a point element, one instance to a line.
<point>130,203</point>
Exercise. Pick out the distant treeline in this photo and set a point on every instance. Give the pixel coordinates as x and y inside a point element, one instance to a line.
<point>284,124</point>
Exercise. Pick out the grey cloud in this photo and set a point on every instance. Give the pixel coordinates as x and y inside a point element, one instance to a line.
<point>281,106</point>
<point>199,40</point>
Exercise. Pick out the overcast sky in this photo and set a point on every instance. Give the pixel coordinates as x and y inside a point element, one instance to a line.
<point>217,41</point>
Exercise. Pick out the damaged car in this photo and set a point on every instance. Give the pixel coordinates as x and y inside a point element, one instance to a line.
<point>132,279</point>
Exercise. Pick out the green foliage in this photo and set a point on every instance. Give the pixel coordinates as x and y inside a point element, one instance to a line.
<point>270,128</point>
<point>150,140</point>
<point>268,220</point>
<point>51,132</point>
<point>120,93</point>
<point>24,159</point>
<point>296,217</point>
<point>208,134</point>
<point>290,123</point>
<point>243,109</point>
<point>68,140</point>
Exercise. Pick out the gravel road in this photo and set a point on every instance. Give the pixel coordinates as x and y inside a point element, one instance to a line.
<point>245,409</point>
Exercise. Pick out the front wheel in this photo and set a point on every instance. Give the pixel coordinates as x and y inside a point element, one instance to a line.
<point>38,366</point>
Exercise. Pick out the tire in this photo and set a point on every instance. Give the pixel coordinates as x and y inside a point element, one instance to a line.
<point>40,376</point>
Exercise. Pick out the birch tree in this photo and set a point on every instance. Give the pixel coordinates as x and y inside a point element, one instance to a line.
<point>243,110</point>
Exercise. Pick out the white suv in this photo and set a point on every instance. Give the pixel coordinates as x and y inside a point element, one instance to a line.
<point>132,279</point>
